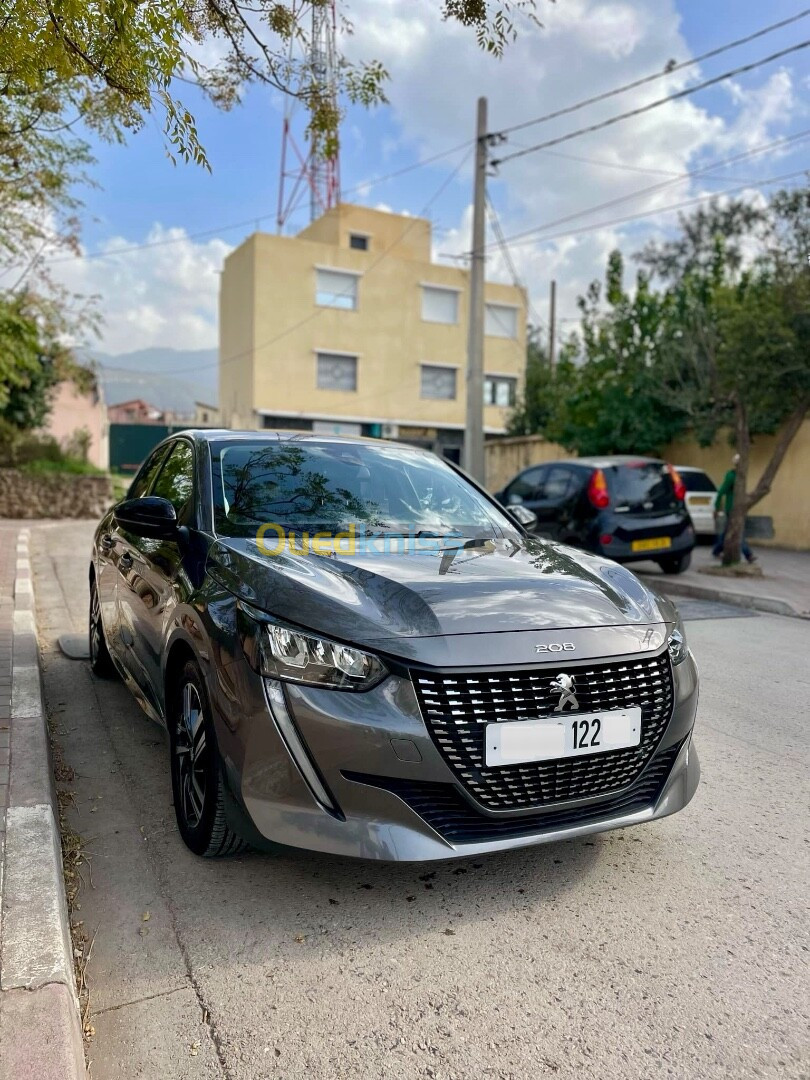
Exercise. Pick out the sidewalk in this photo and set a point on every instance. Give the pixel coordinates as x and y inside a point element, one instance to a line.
<point>40,1035</point>
<point>784,588</point>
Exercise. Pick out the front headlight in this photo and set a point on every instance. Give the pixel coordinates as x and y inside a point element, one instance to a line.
<point>676,642</point>
<point>280,651</point>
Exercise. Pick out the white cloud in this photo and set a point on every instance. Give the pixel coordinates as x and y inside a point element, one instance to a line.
<point>167,295</point>
<point>760,112</point>
<point>584,48</point>
<point>164,294</point>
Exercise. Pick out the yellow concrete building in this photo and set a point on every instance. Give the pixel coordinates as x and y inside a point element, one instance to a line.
<point>349,327</point>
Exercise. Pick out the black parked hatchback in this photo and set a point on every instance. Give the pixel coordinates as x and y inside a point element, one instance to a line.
<point>625,508</point>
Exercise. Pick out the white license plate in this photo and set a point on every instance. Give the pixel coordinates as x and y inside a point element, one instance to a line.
<point>562,736</point>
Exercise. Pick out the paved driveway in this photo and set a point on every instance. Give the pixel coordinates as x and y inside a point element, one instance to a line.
<point>678,949</point>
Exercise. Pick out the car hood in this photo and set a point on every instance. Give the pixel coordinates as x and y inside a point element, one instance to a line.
<point>383,599</point>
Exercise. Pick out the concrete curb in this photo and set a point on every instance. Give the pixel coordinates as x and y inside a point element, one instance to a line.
<point>770,605</point>
<point>40,1029</point>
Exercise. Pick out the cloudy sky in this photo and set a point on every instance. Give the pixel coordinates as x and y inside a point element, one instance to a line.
<point>184,221</point>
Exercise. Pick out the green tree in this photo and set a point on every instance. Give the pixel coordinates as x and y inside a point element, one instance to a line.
<point>133,55</point>
<point>738,358</point>
<point>32,361</point>
<point>73,67</point>
<point>545,388</point>
<point>613,402</point>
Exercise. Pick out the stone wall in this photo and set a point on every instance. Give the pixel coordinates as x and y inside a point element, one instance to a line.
<point>53,495</point>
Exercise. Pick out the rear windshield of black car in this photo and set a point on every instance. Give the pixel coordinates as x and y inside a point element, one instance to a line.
<point>311,486</point>
<point>697,481</point>
<point>642,488</point>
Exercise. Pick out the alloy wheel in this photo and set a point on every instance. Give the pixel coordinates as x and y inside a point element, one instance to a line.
<point>192,756</point>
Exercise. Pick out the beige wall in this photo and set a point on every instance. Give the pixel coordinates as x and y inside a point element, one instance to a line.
<point>788,503</point>
<point>72,411</point>
<point>268,309</point>
<point>503,458</point>
<point>236,338</point>
<point>407,238</point>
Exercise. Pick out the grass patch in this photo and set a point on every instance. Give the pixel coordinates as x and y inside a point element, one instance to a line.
<point>120,483</point>
<point>70,466</point>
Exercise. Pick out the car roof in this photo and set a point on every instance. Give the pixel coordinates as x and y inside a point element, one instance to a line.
<point>208,435</point>
<point>606,462</point>
<point>691,468</point>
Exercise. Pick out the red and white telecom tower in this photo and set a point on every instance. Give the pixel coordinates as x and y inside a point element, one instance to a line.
<point>307,174</point>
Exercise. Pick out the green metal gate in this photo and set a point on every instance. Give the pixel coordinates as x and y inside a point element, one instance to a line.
<point>131,443</point>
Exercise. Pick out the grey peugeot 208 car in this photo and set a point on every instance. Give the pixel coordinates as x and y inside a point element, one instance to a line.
<point>356,650</point>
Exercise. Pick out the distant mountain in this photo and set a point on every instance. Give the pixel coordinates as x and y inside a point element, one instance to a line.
<point>170,379</point>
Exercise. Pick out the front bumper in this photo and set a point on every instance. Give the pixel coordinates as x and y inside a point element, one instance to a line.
<point>369,753</point>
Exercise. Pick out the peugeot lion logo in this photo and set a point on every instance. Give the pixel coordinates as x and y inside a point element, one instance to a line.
<point>564,685</point>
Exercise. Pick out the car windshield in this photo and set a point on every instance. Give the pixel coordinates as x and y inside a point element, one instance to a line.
<point>645,486</point>
<point>697,481</point>
<point>312,486</point>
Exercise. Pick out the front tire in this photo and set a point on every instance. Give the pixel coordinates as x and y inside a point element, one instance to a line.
<point>100,660</point>
<point>675,564</point>
<point>197,784</point>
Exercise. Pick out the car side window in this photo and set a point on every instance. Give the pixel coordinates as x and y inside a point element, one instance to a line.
<point>148,471</point>
<point>176,479</point>
<point>526,486</point>
<point>559,484</point>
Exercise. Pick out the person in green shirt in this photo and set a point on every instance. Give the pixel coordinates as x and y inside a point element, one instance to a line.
<point>725,494</point>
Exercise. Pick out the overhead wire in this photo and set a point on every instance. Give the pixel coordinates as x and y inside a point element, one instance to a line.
<point>669,69</point>
<point>641,109</point>
<point>520,238</point>
<point>691,174</point>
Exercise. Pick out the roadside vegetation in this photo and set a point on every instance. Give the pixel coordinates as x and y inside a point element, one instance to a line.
<point>708,341</point>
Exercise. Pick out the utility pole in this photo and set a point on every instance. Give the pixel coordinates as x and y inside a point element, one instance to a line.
<point>474,434</point>
<point>552,326</point>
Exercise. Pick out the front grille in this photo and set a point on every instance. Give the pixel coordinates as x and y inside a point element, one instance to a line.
<point>446,810</point>
<point>457,707</point>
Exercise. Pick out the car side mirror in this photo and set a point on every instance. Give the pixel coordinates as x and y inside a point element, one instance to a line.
<point>151,517</point>
<point>524,516</point>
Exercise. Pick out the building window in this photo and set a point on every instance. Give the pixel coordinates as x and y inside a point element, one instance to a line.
<point>500,390</point>
<point>336,372</point>
<point>358,241</point>
<point>500,320</point>
<point>439,305</point>
<point>336,288</point>
<point>438,382</point>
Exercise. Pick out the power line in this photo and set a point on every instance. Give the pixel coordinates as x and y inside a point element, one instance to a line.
<point>407,168</point>
<point>130,248</point>
<point>753,152</point>
<point>621,165</point>
<point>519,240</point>
<point>373,181</point>
<point>668,70</point>
<point>162,243</point>
<point>537,319</point>
<point>651,105</point>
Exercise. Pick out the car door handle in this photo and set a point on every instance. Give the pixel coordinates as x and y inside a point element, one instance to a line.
<point>106,541</point>
<point>125,561</point>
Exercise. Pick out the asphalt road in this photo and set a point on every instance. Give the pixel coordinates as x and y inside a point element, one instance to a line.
<point>677,949</point>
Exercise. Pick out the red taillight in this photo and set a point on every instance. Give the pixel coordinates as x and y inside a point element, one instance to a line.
<point>605,538</point>
<point>598,490</point>
<point>677,483</point>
